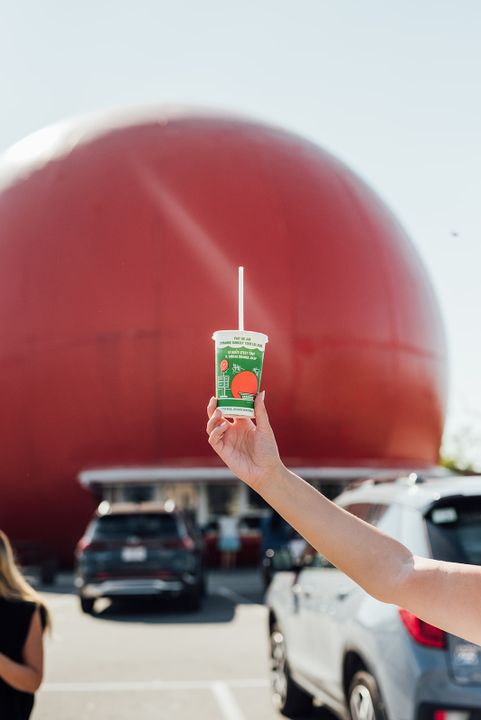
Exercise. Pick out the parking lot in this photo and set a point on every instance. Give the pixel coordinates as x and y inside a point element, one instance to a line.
<point>149,660</point>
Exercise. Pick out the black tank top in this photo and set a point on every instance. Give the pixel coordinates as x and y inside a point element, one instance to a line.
<point>15,620</point>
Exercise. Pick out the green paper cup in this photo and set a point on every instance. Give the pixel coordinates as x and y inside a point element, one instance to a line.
<point>239,355</point>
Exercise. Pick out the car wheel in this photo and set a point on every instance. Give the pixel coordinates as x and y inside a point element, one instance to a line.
<point>287,697</point>
<point>365,702</point>
<point>87,605</point>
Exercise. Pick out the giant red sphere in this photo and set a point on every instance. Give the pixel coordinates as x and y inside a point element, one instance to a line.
<point>120,242</point>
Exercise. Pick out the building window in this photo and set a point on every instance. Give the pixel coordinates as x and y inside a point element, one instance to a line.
<point>223,499</point>
<point>138,493</point>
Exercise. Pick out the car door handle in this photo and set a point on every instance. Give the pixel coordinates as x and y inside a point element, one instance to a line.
<point>307,591</point>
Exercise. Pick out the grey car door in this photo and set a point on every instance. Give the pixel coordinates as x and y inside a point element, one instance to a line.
<point>328,600</point>
<point>315,587</point>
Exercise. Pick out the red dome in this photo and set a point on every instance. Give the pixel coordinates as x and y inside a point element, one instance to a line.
<point>120,241</point>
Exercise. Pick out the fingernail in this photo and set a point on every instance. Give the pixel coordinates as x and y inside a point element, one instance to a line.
<point>223,425</point>
<point>263,394</point>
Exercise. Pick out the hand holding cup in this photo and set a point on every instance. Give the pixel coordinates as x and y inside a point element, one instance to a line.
<point>249,449</point>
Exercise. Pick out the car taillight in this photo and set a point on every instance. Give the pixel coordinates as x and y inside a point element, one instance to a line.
<point>86,545</point>
<point>188,543</point>
<point>451,715</point>
<point>81,545</point>
<point>422,632</point>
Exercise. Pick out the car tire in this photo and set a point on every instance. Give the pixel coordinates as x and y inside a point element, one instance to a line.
<point>288,698</point>
<point>87,605</point>
<point>364,699</point>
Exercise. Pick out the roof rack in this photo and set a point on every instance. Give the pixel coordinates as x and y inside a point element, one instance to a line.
<point>412,478</point>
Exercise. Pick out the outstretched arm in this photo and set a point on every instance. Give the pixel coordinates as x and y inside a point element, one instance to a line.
<point>441,593</point>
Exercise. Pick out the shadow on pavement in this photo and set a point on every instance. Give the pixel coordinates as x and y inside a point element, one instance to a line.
<point>215,609</point>
<point>318,714</point>
<point>225,590</point>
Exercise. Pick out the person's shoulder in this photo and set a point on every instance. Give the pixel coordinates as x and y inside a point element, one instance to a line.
<point>18,602</point>
<point>32,605</point>
<point>18,609</point>
<point>43,615</point>
<point>29,607</point>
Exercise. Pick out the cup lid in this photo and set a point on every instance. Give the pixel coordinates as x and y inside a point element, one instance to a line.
<point>244,334</point>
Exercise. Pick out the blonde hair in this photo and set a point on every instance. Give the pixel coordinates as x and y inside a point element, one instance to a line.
<point>13,585</point>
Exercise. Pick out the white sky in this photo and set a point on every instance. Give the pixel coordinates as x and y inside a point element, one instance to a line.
<point>393,88</point>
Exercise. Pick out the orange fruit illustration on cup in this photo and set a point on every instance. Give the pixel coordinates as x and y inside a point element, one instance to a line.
<point>224,365</point>
<point>244,382</point>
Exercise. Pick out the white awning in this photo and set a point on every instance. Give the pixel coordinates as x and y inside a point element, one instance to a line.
<point>156,475</point>
<point>148,475</point>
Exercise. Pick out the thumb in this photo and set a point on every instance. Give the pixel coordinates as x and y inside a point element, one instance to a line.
<point>262,418</point>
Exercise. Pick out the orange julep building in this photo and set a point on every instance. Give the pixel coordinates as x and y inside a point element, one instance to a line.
<point>120,238</point>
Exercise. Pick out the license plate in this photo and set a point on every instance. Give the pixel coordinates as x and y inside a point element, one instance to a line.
<point>134,554</point>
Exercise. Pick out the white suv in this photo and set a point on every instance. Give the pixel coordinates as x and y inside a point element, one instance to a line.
<point>365,659</point>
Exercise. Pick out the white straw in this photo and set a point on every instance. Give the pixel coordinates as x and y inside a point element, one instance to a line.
<point>241,298</point>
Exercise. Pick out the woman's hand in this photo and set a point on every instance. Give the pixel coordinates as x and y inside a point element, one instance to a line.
<point>248,449</point>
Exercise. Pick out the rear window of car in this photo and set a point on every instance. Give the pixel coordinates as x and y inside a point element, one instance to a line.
<point>454,529</point>
<point>142,525</point>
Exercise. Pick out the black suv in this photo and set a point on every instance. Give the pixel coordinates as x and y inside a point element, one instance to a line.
<point>130,550</point>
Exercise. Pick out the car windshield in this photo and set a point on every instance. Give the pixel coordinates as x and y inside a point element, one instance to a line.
<point>142,525</point>
<point>454,528</point>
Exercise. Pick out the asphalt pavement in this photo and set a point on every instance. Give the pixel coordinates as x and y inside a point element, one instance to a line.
<point>148,660</point>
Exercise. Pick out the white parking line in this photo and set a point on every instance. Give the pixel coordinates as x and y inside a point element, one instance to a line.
<point>226,701</point>
<point>221,689</point>
<point>143,685</point>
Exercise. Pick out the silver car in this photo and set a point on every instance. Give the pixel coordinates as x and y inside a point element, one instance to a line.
<point>364,659</point>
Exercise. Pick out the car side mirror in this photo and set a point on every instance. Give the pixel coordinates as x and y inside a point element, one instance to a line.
<point>281,560</point>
